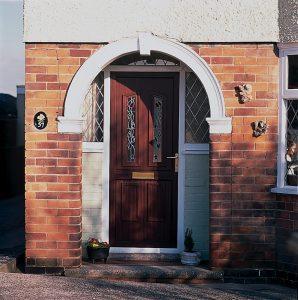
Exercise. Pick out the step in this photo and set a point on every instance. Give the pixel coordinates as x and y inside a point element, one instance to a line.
<point>144,257</point>
<point>146,272</point>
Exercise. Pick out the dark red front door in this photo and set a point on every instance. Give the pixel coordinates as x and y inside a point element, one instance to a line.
<point>143,181</point>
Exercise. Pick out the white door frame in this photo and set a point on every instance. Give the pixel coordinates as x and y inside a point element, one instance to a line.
<point>181,149</point>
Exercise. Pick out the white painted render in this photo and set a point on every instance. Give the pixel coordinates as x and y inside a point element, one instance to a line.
<point>196,200</point>
<point>92,195</point>
<point>186,20</point>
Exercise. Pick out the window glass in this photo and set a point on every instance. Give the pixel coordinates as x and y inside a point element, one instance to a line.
<point>93,111</point>
<point>292,139</point>
<point>196,110</point>
<point>293,72</point>
<point>155,59</point>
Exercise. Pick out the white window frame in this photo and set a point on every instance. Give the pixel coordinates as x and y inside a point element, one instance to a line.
<point>285,94</point>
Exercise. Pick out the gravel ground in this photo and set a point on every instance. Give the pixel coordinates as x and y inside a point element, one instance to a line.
<point>24,286</point>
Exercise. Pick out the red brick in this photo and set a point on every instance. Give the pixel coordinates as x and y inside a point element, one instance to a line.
<point>266,95</point>
<point>46,195</point>
<point>57,153</point>
<point>35,69</point>
<point>46,178</point>
<point>46,78</point>
<point>57,86</point>
<point>80,53</point>
<point>245,77</point>
<point>36,86</point>
<point>222,60</point>
<point>46,162</point>
<point>245,111</point>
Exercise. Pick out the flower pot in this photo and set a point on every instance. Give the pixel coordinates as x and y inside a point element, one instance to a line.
<point>190,258</point>
<point>98,253</point>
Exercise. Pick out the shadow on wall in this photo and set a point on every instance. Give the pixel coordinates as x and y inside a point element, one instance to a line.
<point>11,148</point>
<point>245,222</point>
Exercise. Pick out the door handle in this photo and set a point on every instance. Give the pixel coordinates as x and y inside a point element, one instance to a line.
<point>176,157</point>
<point>173,157</point>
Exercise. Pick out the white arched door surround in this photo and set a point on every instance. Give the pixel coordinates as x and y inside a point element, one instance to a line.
<point>144,43</point>
<point>72,120</point>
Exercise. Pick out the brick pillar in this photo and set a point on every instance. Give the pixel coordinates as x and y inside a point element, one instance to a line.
<point>53,202</point>
<point>220,200</point>
<point>53,164</point>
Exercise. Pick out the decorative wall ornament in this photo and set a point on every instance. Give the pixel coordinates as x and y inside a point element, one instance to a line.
<point>40,120</point>
<point>244,92</point>
<point>259,128</point>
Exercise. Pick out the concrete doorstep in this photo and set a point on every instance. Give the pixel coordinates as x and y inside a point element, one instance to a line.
<point>146,273</point>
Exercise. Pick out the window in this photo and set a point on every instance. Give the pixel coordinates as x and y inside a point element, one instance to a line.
<point>287,169</point>
<point>293,71</point>
<point>196,111</point>
<point>93,111</point>
<point>291,157</point>
<point>155,59</point>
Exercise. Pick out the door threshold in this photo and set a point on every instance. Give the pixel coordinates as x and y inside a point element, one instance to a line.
<point>136,250</point>
<point>144,257</point>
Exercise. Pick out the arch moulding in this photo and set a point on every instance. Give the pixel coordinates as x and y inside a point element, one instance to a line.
<point>144,43</point>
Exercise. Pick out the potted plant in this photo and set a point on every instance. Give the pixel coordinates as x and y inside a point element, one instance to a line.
<point>97,250</point>
<point>188,256</point>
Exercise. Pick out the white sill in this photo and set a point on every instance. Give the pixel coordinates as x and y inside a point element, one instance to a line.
<point>290,190</point>
<point>93,147</point>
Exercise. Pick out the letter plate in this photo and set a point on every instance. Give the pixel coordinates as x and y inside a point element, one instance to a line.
<point>142,175</point>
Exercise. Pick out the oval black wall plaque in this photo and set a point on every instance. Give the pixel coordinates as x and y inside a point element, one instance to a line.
<point>40,120</point>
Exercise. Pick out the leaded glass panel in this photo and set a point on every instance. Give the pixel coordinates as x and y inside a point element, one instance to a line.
<point>155,59</point>
<point>292,139</point>
<point>157,140</point>
<point>131,128</point>
<point>196,110</point>
<point>93,111</point>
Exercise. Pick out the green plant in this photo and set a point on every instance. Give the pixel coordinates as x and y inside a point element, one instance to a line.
<point>96,244</point>
<point>188,240</point>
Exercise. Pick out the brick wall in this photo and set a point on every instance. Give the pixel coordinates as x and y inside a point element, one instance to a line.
<point>53,161</point>
<point>242,168</point>
<point>287,239</point>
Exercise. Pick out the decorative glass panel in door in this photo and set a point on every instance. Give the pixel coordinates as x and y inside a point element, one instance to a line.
<point>157,123</point>
<point>131,128</point>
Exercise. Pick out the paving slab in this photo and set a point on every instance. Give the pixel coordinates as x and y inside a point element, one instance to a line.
<point>31,287</point>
